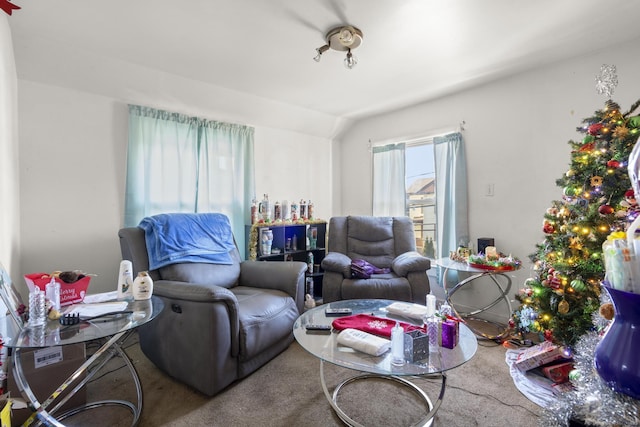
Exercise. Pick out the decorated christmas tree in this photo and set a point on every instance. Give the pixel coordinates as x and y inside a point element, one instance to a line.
<point>558,302</point>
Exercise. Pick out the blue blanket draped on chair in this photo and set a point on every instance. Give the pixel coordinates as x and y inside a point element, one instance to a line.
<point>188,237</point>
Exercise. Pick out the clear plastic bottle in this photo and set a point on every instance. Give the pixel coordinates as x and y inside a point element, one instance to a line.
<point>397,345</point>
<point>37,307</point>
<point>445,309</point>
<point>52,291</point>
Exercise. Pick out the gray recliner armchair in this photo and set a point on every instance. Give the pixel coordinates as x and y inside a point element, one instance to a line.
<point>385,242</point>
<point>220,322</point>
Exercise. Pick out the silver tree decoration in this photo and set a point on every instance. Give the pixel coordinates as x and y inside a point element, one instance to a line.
<point>607,80</point>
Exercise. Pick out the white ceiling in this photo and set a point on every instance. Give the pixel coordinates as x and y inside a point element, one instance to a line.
<point>413,50</point>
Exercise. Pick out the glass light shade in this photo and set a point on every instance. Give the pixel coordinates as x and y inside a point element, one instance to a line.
<point>346,37</point>
<point>350,61</point>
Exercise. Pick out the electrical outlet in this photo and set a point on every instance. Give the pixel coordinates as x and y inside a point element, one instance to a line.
<point>490,190</point>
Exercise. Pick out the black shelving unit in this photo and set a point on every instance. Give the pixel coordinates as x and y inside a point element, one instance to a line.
<point>292,243</point>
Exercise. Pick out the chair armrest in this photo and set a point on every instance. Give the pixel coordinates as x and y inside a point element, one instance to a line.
<point>195,292</point>
<point>338,263</point>
<point>408,262</point>
<point>286,276</point>
<point>209,298</point>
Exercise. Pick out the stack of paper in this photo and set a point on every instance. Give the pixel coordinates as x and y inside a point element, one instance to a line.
<point>91,310</point>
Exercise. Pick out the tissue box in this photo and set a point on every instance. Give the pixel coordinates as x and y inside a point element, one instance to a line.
<point>450,333</point>
<point>70,293</point>
<point>416,346</point>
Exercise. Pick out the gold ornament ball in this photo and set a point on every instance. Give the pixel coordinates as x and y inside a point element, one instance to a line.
<point>607,311</point>
<point>563,307</point>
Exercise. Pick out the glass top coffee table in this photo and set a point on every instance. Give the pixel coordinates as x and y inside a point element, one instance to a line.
<point>326,348</point>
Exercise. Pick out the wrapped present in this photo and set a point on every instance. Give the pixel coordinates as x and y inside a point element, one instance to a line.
<point>416,345</point>
<point>540,354</point>
<point>558,372</point>
<point>450,333</point>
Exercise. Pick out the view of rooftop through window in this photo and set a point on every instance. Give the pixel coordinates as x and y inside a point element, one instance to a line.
<point>420,185</point>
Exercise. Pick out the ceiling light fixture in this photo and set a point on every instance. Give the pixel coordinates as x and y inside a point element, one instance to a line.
<point>344,38</point>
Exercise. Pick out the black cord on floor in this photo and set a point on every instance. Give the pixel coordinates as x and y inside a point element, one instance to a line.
<point>494,398</point>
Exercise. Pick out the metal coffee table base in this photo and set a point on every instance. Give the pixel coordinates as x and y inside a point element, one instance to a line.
<point>427,420</point>
<point>110,349</point>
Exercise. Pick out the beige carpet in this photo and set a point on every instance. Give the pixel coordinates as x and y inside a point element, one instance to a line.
<point>287,392</point>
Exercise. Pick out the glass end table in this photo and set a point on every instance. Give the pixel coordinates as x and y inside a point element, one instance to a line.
<point>475,274</point>
<point>113,330</point>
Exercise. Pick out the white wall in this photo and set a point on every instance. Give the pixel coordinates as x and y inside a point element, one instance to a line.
<point>9,184</point>
<point>516,137</point>
<point>73,136</point>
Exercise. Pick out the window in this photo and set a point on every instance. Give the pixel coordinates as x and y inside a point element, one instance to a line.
<point>426,180</point>
<point>420,190</point>
<point>177,163</point>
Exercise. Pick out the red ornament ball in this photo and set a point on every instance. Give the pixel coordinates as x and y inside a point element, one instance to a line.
<point>594,128</point>
<point>613,164</point>
<point>605,210</point>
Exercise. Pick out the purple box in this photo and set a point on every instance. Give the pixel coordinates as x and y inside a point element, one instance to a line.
<point>449,334</point>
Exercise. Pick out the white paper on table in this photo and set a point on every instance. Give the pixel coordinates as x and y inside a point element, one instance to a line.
<point>103,297</point>
<point>90,310</point>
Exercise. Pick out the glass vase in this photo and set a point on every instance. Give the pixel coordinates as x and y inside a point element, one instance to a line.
<point>616,356</point>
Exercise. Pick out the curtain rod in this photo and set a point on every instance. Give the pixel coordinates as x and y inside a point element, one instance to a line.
<point>419,137</point>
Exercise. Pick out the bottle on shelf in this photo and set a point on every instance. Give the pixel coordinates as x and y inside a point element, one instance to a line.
<point>265,209</point>
<point>277,212</point>
<point>286,210</point>
<point>310,209</point>
<point>254,210</point>
<point>310,262</point>
<point>303,209</point>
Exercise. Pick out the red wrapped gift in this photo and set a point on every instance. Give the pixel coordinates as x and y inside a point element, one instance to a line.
<point>540,354</point>
<point>559,372</point>
<point>371,324</point>
<point>70,293</point>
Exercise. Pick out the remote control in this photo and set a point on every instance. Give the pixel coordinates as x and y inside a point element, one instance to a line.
<point>337,311</point>
<point>318,329</point>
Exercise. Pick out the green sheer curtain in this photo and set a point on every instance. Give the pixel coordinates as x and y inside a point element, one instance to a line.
<point>389,198</point>
<point>178,163</point>
<point>451,193</point>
